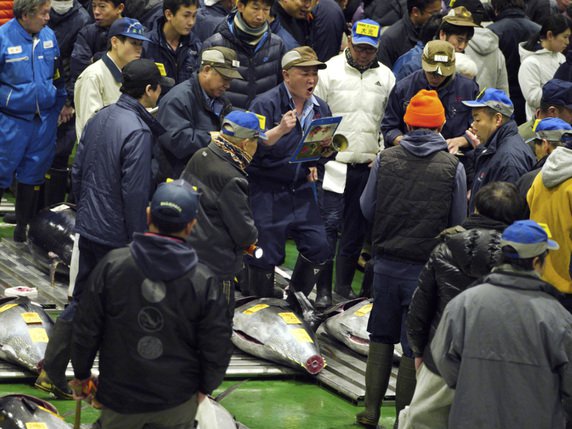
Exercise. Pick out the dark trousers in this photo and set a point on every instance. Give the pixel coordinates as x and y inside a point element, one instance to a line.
<point>279,213</point>
<point>394,282</point>
<point>342,212</point>
<point>90,253</point>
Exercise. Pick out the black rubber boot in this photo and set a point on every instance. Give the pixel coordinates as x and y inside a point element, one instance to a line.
<point>345,269</point>
<point>58,353</point>
<point>26,208</point>
<point>324,287</point>
<point>305,275</point>
<point>405,387</point>
<point>55,187</point>
<point>377,373</point>
<point>260,282</point>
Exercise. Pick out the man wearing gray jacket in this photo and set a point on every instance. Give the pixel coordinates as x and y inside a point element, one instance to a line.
<point>505,345</point>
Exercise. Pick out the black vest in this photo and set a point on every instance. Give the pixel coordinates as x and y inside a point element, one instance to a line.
<point>414,196</point>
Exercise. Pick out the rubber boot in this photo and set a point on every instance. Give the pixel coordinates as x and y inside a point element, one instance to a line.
<point>377,373</point>
<point>58,353</point>
<point>305,275</point>
<point>260,282</point>
<point>345,269</point>
<point>55,188</point>
<point>26,207</point>
<point>324,287</point>
<point>406,382</point>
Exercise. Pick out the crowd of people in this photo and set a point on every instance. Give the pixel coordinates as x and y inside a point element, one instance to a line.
<point>188,117</point>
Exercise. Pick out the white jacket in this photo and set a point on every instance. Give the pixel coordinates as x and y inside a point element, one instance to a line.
<point>536,68</point>
<point>361,100</point>
<point>94,88</point>
<point>484,50</point>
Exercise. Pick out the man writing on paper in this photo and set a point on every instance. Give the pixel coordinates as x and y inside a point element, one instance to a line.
<point>281,193</point>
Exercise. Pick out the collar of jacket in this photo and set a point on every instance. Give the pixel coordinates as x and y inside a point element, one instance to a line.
<point>479,221</point>
<point>509,277</point>
<point>198,94</point>
<point>497,139</point>
<point>158,37</point>
<point>413,32</point>
<point>510,13</point>
<point>23,31</point>
<point>128,102</point>
<point>115,72</point>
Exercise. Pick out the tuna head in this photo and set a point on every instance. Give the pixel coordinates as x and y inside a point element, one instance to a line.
<point>349,326</point>
<point>269,329</point>
<point>24,331</point>
<point>19,411</point>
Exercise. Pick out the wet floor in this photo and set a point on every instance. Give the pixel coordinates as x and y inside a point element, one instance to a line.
<point>259,404</point>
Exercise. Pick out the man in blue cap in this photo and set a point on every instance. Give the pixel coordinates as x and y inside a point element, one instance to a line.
<point>356,86</point>
<point>99,84</point>
<point>549,200</point>
<point>500,152</point>
<point>506,342</point>
<point>226,228</point>
<point>158,320</point>
<point>556,102</point>
<point>550,133</point>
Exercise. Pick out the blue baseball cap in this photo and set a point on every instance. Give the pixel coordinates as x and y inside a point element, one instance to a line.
<point>243,125</point>
<point>553,130</point>
<point>557,92</point>
<point>175,202</point>
<point>528,239</point>
<point>495,99</point>
<point>127,27</point>
<point>366,32</point>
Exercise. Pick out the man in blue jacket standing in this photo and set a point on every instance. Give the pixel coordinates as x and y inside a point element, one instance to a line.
<point>32,94</point>
<point>281,194</point>
<point>500,152</point>
<point>111,182</point>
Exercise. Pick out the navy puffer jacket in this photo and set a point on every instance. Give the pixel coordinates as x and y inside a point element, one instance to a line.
<point>260,65</point>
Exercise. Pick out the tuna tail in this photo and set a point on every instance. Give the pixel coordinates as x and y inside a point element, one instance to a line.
<point>303,306</point>
<point>314,364</point>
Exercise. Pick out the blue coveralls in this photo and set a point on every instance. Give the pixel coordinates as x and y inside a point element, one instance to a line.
<point>30,103</point>
<point>283,202</point>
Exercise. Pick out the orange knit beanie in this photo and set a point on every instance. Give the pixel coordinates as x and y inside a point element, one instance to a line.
<point>425,110</point>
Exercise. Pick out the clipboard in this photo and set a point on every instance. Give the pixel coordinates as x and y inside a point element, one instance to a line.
<point>309,148</point>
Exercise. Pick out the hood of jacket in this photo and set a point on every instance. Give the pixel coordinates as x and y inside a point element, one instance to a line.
<point>423,142</point>
<point>484,42</point>
<point>557,168</point>
<point>162,258</point>
<point>525,53</point>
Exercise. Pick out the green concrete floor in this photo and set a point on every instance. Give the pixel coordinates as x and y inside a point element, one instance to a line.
<point>259,404</point>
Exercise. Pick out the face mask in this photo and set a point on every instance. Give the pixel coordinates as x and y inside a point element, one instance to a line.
<point>62,7</point>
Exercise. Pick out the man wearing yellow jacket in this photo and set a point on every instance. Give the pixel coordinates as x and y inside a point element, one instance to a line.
<point>550,202</point>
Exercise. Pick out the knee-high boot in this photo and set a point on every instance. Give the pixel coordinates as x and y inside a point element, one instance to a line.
<point>377,373</point>
<point>26,207</point>
<point>58,353</point>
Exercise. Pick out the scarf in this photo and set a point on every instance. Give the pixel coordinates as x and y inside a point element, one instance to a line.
<point>361,69</point>
<point>246,33</point>
<point>239,157</point>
